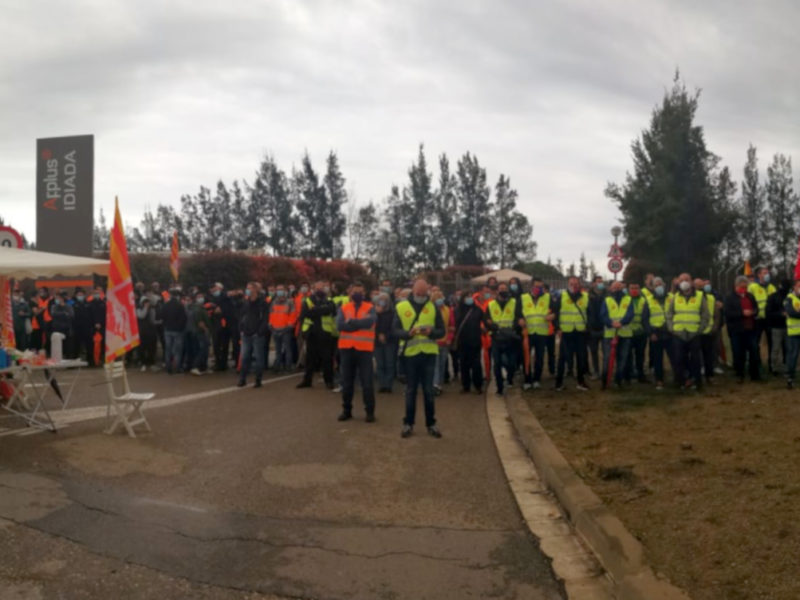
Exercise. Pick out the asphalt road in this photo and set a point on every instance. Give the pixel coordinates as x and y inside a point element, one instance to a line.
<point>264,492</point>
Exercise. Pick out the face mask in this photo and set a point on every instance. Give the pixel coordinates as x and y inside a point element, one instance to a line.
<point>537,290</point>
<point>303,289</point>
<point>503,295</point>
<point>797,292</point>
<point>487,295</point>
<point>80,297</point>
<point>357,297</point>
<point>659,290</point>
<point>741,291</point>
<point>215,293</point>
<point>767,278</point>
<point>601,287</point>
<point>200,300</point>
<point>280,293</point>
<point>707,288</point>
<point>374,298</point>
<point>42,294</point>
<point>382,303</point>
<point>685,286</point>
<point>17,297</point>
<point>574,290</point>
<point>320,294</point>
<point>469,301</point>
<point>386,290</point>
<point>514,287</point>
<point>635,294</point>
<point>248,292</point>
<point>439,302</point>
<point>420,299</point>
<point>327,290</point>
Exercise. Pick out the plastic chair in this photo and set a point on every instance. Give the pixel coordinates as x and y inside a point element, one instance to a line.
<point>128,406</point>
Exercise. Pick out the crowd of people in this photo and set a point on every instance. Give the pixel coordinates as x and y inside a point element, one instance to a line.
<point>614,332</point>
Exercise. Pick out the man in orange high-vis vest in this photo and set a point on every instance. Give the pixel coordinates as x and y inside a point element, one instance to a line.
<point>281,324</point>
<point>355,321</point>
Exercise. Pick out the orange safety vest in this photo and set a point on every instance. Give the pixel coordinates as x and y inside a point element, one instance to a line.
<point>281,315</point>
<point>363,339</point>
<point>45,314</point>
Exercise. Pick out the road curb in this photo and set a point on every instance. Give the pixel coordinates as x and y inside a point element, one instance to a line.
<point>620,554</point>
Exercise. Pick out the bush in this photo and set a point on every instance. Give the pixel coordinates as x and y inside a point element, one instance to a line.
<point>231,269</point>
<point>150,267</point>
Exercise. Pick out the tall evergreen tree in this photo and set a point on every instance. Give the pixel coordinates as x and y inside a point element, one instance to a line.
<point>753,209</point>
<point>100,233</point>
<point>334,223</point>
<point>730,249</point>
<point>445,242</point>
<point>363,233</point>
<point>239,224</point>
<point>474,220</point>
<point>511,233</point>
<point>782,217</point>
<point>311,209</point>
<point>669,213</point>
<point>418,200</point>
<point>221,227</point>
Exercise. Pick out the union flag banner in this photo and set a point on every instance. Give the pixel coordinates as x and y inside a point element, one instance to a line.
<point>122,330</point>
<point>174,261</point>
<point>7,318</point>
<point>797,264</point>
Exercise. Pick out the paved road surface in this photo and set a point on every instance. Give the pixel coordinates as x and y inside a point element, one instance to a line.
<point>264,491</point>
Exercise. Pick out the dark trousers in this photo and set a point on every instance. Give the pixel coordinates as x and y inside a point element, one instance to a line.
<point>636,363</point>
<point>537,344</point>
<point>319,355</point>
<point>623,353</point>
<point>657,349</point>
<point>687,359</point>
<point>386,361</point>
<point>149,344</point>
<point>573,347</point>
<point>353,360</point>
<point>252,347</point>
<point>222,339</point>
<point>419,373</point>
<point>708,350</point>
<point>792,350</point>
<point>504,354</point>
<point>594,341</point>
<point>84,343</point>
<point>200,358</point>
<point>236,344</point>
<point>763,329</point>
<point>550,348</point>
<point>744,346</point>
<point>469,359</point>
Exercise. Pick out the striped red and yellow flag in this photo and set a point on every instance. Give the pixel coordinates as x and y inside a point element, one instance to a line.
<point>174,261</point>
<point>122,329</point>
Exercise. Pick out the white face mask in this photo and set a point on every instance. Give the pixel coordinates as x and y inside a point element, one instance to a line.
<point>685,286</point>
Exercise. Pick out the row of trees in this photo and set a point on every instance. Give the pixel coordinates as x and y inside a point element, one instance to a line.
<point>682,210</point>
<point>426,224</point>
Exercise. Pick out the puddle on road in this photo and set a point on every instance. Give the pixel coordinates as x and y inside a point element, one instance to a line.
<point>115,456</point>
<point>25,497</point>
<point>305,475</point>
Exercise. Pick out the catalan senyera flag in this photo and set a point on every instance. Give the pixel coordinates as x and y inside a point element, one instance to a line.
<point>174,261</point>
<point>122,329</point>
<point>747,270</point>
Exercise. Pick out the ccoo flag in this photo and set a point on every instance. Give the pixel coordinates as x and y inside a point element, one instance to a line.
<point>174,261</point>
<point>122,330</point>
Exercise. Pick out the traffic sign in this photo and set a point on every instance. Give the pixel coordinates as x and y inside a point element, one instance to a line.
<point>615,252</point>
<point>615,265</point>
<point>10,238</point>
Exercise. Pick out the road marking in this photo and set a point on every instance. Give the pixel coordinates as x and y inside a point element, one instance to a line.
<point>64,418</point>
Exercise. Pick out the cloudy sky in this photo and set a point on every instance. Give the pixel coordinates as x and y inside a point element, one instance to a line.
<point>551,93</point>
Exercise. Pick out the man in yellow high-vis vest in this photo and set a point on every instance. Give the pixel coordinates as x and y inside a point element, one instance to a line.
<point>317,318</point>
<point>537,316</point>
<point>687,317</point>
<point>502,318</point>
<point>708,340</point>
<point>655,324</point>
<point>791,307</point>
<point>417,324</point>
<point>617,316</point>
<point>571,308</point>
<point>639,337</point>
<point>762,288</point>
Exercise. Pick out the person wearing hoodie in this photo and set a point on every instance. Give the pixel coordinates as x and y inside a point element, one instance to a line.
<point>385,344</point>
<point>617,315</point>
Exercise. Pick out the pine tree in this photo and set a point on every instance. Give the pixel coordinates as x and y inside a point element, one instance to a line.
<point>363,232</point>
<point>729,252</point>
<point>583,268</point>
<point>669,214</point>
<point>335,197</point>
<point>239,224</point>
<point>511,233</point>
<point>445,242</point>
<point>753,209</point>
<point>311,210</point>
<point>473,219</point>
<point>418,201</point>
<point>783,210</point>
<point>100,234</point>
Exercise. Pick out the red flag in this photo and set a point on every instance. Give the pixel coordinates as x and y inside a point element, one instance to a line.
<point>174,261</point>
<point>797,264</point>
<point>122,329</point>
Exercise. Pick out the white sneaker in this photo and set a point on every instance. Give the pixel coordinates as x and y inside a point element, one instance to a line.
<point>536,385</point>
<point>581,388</point>
<point>155,369</point>
<point>337,389</point>
<point>143,369</point>
<point>719,371</point>
<point>195,371</point>
<point>526,386</point>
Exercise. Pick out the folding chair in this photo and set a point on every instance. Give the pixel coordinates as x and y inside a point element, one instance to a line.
<point>128,406</point>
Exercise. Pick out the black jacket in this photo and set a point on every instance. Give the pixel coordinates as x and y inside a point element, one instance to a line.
<point>775,317</point>
<point>253,318</point>
<point>734,319</point>
<point>468,326</point>
<point>384,324</point>
<point>318,309</point>
<point>174,315</point>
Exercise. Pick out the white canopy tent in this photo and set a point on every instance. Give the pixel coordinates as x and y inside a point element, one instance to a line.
<point>19,264</point>
<point>503,275</point>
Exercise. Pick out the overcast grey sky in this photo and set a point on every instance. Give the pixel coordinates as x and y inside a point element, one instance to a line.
<point>184,93</point>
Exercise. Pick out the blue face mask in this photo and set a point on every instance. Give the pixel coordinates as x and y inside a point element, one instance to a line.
<point>439,302</point>
<point>487,295</point>
<point>280,293</point>
<point>248,292</point>
<point>707,288</point>
<point>80,297</point>
<point>767,278</point>
<point>659,290</point>
<point>601,287</point>
<point>215,293</point>
<point>469,301</point>
<point>514,287</point>
<point>200,300</point>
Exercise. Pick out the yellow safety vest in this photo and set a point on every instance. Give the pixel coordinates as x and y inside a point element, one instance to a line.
<point>648,295</point>
<point>710,300</point>
<point>419,344</point>
<point>687,312</point>
<point>792,324</point>
<point>658,312</point>
<point>327,321</point>
<point>638,308</point>
<point>535,312</point>
<point>617,312</point>
<point>572,315</point>
<point>761,294</point>
<point>503,317</point>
